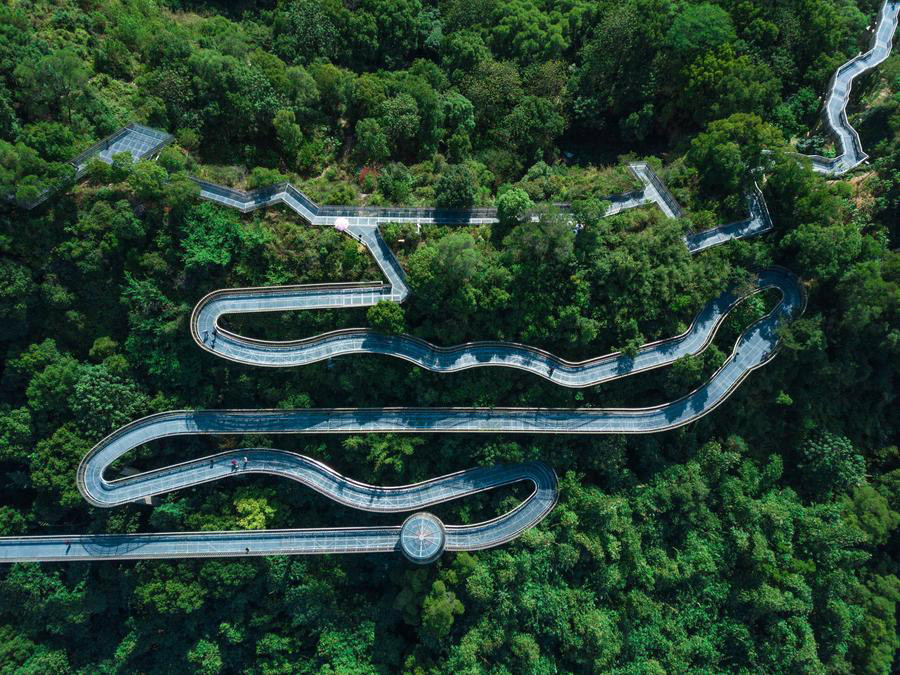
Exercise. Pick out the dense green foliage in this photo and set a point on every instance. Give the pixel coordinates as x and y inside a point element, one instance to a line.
<point>762,538</point>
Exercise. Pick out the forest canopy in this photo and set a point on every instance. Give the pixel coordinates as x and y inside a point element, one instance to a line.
<point>762,538</point>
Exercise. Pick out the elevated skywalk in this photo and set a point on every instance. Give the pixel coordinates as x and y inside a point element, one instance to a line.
<point>839,88</point>
<point>422,537</point>
<point>308,472</point>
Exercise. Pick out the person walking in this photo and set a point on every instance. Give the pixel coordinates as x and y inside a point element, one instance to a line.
<point>245,461</point>
<point>234,465</point>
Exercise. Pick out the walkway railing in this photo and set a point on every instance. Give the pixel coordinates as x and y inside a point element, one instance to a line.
<point>140,141</point>
<point>667,197</point>
<point>840,87</point>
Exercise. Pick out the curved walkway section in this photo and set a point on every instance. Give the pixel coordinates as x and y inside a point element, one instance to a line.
<point>420,543</point>
<point>754,347</point>
<point>211,336</point>
<point>835,111</point>
<point>422,537</point>
<point>758,222</point>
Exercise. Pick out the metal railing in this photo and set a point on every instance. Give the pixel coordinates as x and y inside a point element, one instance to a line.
<point>79,162</point>
<point>663,191</point>
<point>853,156</point>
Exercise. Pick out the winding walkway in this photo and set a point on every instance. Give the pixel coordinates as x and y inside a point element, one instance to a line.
<point>754,348</point>
<point>421,538</point>
<point>209,334</point>
<point>835,111</point>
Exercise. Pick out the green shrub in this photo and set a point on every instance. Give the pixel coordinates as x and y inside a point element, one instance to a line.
<point>263,177</point>
<point>387,317</point>
<point>455,188</point>
<point>395,183</point>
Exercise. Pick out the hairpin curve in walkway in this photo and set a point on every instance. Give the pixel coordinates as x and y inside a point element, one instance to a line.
<point>422,538</point>
<point>835,111</point>
<point>211,336</point>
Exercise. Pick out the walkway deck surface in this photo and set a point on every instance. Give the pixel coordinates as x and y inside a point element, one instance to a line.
<point>308,472</point>
<point>835,110</point>
<point>422,537</point>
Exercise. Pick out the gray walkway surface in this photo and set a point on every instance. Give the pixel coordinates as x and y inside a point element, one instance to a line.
<point>139,141</point>
<point>211,336</point>
<point>422,537</point>
<point>315,214</point>
<point>758,222</point>
<point>835,111</point>
<point>420,545</point>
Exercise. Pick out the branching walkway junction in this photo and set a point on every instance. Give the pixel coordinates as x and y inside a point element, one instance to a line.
<point>422,537</point>
<point>143,142</point>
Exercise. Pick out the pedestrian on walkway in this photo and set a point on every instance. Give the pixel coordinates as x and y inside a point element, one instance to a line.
<point>245,461</point>
<point>247,550</point>
<point>234,465</point>
<point>211,463</point>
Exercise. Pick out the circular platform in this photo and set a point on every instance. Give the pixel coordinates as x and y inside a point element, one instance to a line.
<point>422,538</point>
